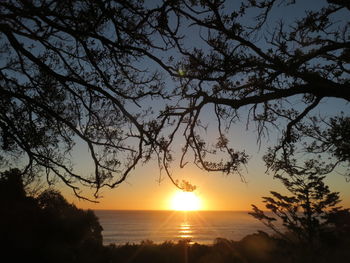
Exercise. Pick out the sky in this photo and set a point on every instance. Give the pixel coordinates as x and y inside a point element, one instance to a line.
<point>145,189</point>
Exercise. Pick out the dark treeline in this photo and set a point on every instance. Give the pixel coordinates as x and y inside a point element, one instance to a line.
<point>46,228</point>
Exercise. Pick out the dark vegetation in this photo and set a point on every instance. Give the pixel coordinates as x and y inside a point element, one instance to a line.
<point>315,227</point>
<point>46,228</point>
<point>255,248</point>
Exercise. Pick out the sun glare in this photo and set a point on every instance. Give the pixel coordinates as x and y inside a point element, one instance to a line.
<point>185,201</point>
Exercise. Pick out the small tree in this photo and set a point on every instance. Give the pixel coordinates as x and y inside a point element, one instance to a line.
<point>305,213</point>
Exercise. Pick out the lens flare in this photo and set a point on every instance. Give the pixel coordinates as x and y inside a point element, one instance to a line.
<point>185,201</point>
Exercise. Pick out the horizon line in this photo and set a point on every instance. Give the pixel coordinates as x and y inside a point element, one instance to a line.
<point>168,210</point>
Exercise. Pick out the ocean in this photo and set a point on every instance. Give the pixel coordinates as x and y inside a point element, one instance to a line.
<point>121,227</point>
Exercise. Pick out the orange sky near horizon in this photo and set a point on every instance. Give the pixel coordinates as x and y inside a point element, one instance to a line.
<point>141,191</point>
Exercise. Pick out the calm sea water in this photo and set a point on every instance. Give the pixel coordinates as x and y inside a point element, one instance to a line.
<point>120,227</point>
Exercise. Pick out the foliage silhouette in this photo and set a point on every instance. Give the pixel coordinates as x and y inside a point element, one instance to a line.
<point>314,149</point>
<point>310,217</point>
<point>80,71</point>
<point>255,248</point>
<point>259,68</point>
<point>68,76</point>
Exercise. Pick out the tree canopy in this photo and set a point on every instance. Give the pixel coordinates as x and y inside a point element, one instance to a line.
<point>305,213</point>
<point>86,71</point>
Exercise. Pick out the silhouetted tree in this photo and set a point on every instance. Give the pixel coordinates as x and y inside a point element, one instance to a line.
<point>78,226</point>
<point>255,58</point>
<point>79,71</point>
<point>300,213</point>
<point>310,215</point>
<point>11,185</point>
<point>309,221</point>
<point>71,72</point>
<point>46,228</point>
<point>314,149</point>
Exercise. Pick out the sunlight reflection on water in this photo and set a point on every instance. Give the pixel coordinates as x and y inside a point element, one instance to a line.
<point>120,227</point>
<point>185,231</point>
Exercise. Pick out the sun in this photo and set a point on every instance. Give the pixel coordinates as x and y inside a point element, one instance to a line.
<point>185,201</point>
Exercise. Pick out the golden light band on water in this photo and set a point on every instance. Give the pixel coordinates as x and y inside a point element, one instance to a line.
<point>185,231</point>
